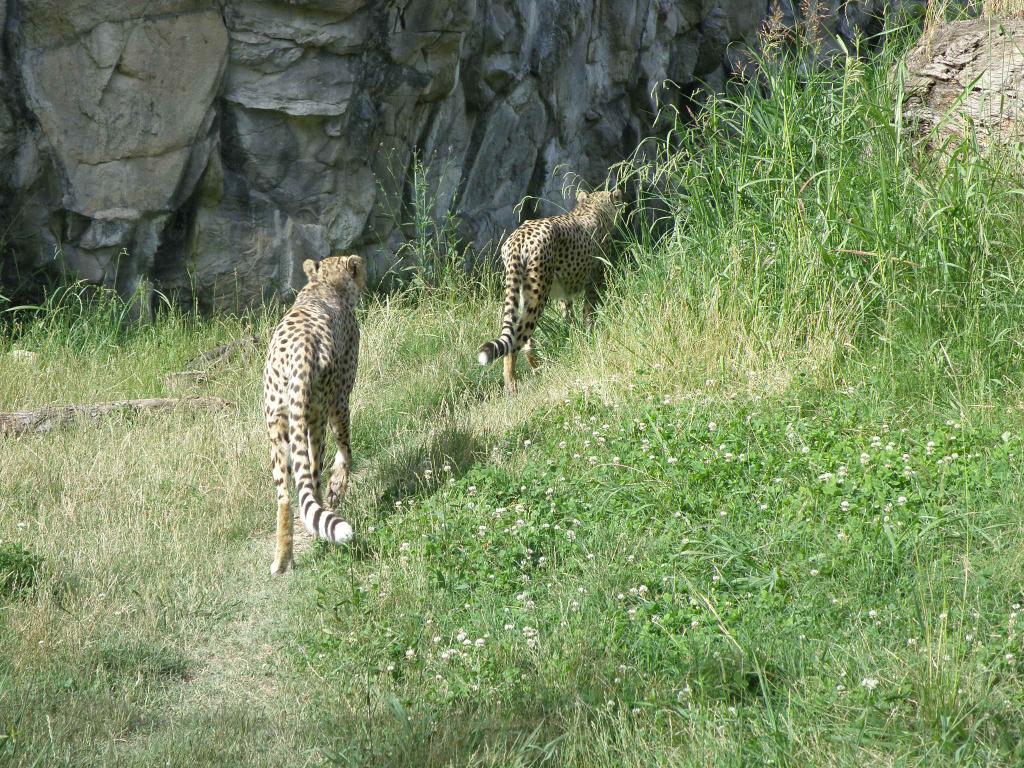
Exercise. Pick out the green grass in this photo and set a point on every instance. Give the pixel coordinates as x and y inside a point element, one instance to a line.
<point>765,513</point>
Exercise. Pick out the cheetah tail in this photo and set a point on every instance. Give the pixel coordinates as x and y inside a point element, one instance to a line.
<point>506,340</point>
<point>320,522</point>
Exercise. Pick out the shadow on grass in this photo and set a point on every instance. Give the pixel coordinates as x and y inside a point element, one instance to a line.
<point>402,473</point>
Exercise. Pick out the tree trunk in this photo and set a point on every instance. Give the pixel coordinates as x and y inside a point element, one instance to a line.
<point>965,79</point>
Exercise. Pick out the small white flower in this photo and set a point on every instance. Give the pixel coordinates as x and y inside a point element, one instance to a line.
<point>410,654</point>
<point>870,683</point>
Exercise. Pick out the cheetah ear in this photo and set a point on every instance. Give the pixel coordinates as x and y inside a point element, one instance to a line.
<point>309,267</point>
<point>581,196</point>
<point>357,269</point>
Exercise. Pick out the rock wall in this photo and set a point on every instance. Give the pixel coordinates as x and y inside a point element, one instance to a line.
<point>207,148</point>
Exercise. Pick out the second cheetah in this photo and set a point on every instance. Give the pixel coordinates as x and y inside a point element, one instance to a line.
<point>556,257</point>
<point>308,378</point>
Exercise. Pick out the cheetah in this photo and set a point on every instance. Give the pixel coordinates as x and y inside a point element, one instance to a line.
<point>308,377</point>
<point>556,257</point>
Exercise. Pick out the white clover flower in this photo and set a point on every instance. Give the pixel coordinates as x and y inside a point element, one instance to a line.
<point>479,642</point>
<point>844,505</point>
<point>410,654</point>
<point>870,683</point>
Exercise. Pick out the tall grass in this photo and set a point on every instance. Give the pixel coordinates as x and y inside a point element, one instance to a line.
<point>798,211</point>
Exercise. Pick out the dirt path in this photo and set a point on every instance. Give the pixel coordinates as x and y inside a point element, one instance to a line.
<point>242,705</point>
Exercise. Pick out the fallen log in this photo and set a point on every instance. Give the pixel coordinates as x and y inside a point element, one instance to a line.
<point>47,419</point>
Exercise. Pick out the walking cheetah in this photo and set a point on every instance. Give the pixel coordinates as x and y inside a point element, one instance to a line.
<point>308,377</point>
<point>555,257</point>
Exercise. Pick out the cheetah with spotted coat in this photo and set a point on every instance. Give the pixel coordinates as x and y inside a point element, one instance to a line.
<point>308,378</point>
<point>556,257</point>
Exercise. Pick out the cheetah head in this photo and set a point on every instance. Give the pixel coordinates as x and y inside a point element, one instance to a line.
<point>339,272</point>
<point>606,203</point>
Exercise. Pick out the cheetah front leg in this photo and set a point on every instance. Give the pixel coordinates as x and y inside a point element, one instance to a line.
<point>567,312</point>
<point>338,486</point>
<point>589,305</point>
<point>283,557</point>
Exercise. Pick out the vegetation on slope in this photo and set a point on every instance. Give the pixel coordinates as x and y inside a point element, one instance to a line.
<point>766,512</point>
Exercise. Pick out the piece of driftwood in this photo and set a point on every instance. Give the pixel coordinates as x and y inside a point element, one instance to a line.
<point>47,419</point>
<point>246,345</point>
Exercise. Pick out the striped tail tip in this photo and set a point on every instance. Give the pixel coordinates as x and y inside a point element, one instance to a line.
<point>487,353</point>
<point>342,532</point>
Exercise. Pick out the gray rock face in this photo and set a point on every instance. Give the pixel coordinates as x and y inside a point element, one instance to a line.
<point>209,147</point>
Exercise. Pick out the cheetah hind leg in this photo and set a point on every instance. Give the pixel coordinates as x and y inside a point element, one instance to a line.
<point>283,554</point>
<point>338,485</point>
<point>511,387</point>
<point>531,357</point>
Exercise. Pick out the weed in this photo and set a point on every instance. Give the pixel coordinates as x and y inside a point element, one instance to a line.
<point>19,570</point>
